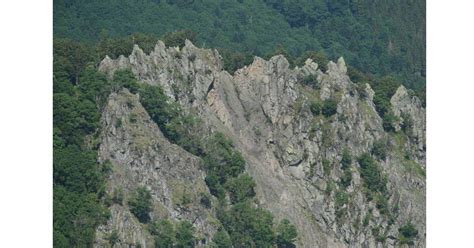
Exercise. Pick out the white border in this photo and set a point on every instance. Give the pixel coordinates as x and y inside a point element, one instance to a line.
<point>26,123</point>
<point>450,92</point>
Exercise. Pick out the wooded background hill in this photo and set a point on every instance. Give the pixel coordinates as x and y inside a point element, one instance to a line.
<point>379,37</point>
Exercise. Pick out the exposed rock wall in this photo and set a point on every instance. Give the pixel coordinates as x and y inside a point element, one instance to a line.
<point>293,155</point>
<point>142,156</point>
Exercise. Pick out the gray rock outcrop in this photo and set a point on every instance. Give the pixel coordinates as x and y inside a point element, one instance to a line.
<point>293,155</point>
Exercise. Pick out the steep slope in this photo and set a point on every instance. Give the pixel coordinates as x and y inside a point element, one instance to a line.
<point>141,156</point>
<point>337,175</point>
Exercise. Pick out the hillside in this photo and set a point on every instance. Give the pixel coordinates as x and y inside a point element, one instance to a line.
<point>176,150</point>
<point>382,37</point>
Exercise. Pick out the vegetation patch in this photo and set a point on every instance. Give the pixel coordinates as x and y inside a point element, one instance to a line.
<point>407,234</point>
<point>329,107</point>
<point>141,204</point>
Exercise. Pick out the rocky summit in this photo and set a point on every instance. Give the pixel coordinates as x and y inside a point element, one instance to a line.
<point>320,153</point>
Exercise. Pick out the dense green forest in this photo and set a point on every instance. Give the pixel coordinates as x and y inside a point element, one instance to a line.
<point>378,37</point>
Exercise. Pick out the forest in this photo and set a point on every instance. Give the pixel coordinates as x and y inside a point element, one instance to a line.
<point>376,37</point>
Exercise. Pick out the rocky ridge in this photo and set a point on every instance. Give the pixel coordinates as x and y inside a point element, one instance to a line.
<point>293,155</point>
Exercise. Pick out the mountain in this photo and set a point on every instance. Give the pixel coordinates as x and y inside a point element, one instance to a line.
<point>378,37</point>
<point>244,157</point>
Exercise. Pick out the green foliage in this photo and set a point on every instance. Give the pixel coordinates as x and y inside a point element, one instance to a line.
<point>116,46</point>
<point>346,178</point>
<point>221,239</point>
<point>341,198</point>
<point>326,166</point>
<point>382,204</point>
<point>74,118</point>
<point>77,170</point>
<point>75,217</point>
<point>379,149</point>
<point>311,80</point>
<point>286,235</point>
<point>221,163</point>
<point>407,234</point>
<point>389,120</point>
<point>177,39</point>
<point>346,159</point>
<point>234,60</point>
<point>164,233</point>
<point>372,174</point>
<point>280,50</point>
<point>185,235</point>
<point>141,205</point>
<point>329,107</point>
<point>240,188</point>
<point>206,200</point>
<point>407,124</point>
<point>178,127</point>
<point>125,79</point>
<point>315,107</point>
<point>113,237</point>
<point>317,56</point>
<point>380,38</point>
<point>366,220</point>
<point>70,59</point>
<point>249,226</point>
<point>384,89</point>
<point>78,180</point>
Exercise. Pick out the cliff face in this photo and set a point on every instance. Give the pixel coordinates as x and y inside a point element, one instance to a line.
<point>293,154</point>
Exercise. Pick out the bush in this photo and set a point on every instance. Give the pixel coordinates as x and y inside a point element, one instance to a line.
<point>240,188</point>
<point>379,149</point>
<point>312,81</point>
<point>382,204</point>
<point>341,198</point>
<point>221,239</point>
<point>286,235</point>
<point>346,159</point>
<point>384,89</point>
<point>389,120</point>
<point>125,79</point>
<point>329,107</point>
<point>315,107</point>
<point>249,226</point>
<point>113,238</point>
<point>221,163</point>
<point>206,200</point>
<point>371,173</point>
<point>141,204</point>
<point>346,178</point>
<point>163,232</point>
<point>179,128</point>
<point>407,234</point>
<point>326,166</point>
<point>214,185</point>
<point>185,235</point>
